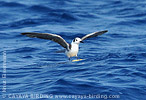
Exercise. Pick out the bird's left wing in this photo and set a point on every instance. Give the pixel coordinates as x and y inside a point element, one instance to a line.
<point>93,34</point>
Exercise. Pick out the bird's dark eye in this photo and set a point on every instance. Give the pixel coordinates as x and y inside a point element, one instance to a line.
<point>75,40</point>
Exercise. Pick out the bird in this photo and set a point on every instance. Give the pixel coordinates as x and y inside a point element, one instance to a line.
<point>71,49</point>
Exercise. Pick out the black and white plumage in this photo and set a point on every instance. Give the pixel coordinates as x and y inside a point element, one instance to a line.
<point>71,49</point>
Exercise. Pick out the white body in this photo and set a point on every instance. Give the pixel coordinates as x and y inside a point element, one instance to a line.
<point>73,51</point>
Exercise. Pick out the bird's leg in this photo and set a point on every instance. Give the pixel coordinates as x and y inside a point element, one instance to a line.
<point>69,58</point>
<point>77,57</point>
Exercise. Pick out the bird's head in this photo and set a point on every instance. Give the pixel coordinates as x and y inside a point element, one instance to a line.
<point>77,40</point>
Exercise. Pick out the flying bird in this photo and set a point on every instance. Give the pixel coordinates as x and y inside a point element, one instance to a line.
<point>72,49</point>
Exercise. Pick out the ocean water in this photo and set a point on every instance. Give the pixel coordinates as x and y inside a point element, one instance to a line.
<point>114,65</point>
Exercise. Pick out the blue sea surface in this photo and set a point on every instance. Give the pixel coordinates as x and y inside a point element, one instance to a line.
<point>114,65</point>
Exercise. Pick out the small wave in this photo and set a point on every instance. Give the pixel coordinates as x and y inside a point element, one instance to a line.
<point>68,83</point>
<point>76,70</point>
<point>87,15</point>
<point>60,2</point>
<point>38,21</point>
<point>22,50</point>
<point>27,57</point>
<point>135,56</point>
<point>135,15</point>
<point>60,16</point>
<point>62,81</point>
<point>11,4</point>
<point>124,11</point>
<point>39,8</point>
<point>5,36</point>
<point>24,22</point>
<point>113,55</point>
<point>107,56</point>
<point>117,2</point>
<point>131,22</point>
<point>140,21</point>
<point>115,35</point>
<point>68,16</point>
<point>21,23</point>
<point>139,74</point>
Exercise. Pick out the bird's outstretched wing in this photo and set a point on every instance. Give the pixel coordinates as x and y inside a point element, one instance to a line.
<point>93,34</point>
<point>48,36</point>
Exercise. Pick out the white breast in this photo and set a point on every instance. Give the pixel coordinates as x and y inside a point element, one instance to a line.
<point>74,50</point>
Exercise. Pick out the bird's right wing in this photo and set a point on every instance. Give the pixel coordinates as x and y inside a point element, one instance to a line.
<point>48,36</point>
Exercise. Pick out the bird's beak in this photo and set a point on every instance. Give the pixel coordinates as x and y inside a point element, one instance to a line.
<point>81,42</point>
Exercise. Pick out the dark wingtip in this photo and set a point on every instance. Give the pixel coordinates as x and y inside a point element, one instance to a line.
<point>105,31</point>
<point>25,33</point>
<point>102,32</point>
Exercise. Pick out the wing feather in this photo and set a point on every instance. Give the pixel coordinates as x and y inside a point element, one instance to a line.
<point>93,34</point>
<point>56,38</point>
